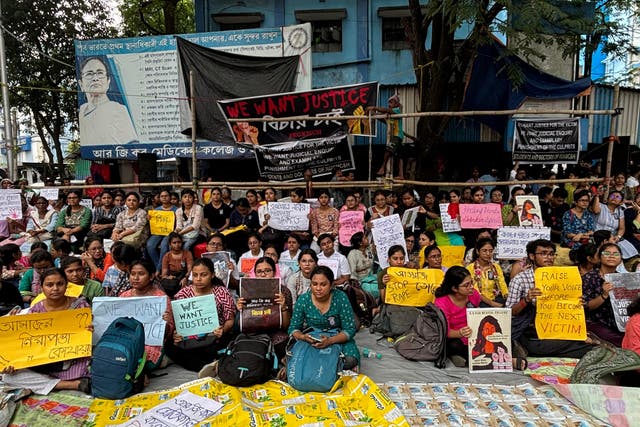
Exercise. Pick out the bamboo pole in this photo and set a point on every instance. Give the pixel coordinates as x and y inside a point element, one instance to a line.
<point>612,137</point>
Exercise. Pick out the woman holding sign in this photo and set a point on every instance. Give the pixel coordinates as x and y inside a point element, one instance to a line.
<point>67,375</point>
<point>192,353</point>
<point>487,274</point>
<point>130,223</point>
<point>74,221</point>
<point>42,222</point>
<point>324,218</point>
<point>595,291</point>
<point>143,284</point>
<point>300,282</point>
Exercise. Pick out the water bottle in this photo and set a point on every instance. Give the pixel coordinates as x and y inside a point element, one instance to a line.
<point>371,354</point>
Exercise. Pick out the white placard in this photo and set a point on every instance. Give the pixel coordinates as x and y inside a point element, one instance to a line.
<point>262,211</point>
<point>387,231</point>
<point>332,264</point>
<point>87,203</point>
<point>512,241</point>
<point>531,214</point>
<point>186,409</point>
<point>409,217</point>
<point>449,225</point>
<point>10,204</point>
<point>289,216</point>
<point>49,193</point>
<point>147,310</point>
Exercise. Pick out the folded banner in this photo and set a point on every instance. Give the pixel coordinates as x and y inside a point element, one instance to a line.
<point>41,338</point>
<point>288,160</point>
<point>322,104</point>
<point>546,141</point>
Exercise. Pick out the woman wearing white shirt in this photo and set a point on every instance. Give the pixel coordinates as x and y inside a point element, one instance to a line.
<point>189,219</point>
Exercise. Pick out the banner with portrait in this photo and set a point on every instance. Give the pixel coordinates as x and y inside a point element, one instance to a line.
<point>490,340</point>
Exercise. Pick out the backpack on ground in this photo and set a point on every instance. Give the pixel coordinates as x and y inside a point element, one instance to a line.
<point>247,360</point>
<point>361,301</point>
<point>394,320</point>
<point>314,369</point>
<point>426,340</point>
<point>118,359</point>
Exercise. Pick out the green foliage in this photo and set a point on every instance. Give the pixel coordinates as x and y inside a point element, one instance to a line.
<point>40,54</point>
<point>152,17</point>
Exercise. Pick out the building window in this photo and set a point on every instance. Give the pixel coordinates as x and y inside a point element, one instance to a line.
<point>239,26</point>
<point>238,21</point>
<point>326,28</point>
<point>394,33</point>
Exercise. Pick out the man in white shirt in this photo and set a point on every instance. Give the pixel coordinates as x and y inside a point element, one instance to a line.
<point>337,262</point>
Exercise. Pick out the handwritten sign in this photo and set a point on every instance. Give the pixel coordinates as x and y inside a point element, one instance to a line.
<point>529,212</point>
<point>263,210</point>
<point>221,262</point>
<point>387,231</point>
<point>411,287</point>
<point>184,410</point>
<point>289,216</point>
<point>484,215</point>
<point>559,312</point>
<point>452,255</point>
<point>147,310</point>
<point>161,223</point>
<point>49,193</point>
<point>490,342</point>
<point>40,338</point>
<point>195,316</point>
<point>87,203</point>
<point>10,204</point>
<point>512,241</point>
<point>314,203</point>
<point>409,217</point>
<point>349,223</point>
<point>449,225</point>
<point>626,288</point>
<point>247,264</point>
<point>260,312</point>
<point>332,264</point>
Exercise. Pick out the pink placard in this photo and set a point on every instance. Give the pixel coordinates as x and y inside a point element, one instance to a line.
<point>350,222</point>
<point>483,215</point>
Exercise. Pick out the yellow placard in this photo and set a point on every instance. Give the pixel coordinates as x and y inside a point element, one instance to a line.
<point>452,255</point>
<point>559,311</point>
<point>411,287</point>
<point>73,290</point>
<point>161,223</point>
<point>41,338</point>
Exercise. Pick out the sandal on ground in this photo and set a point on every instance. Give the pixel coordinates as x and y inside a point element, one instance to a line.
<point>520,363</point>
<point>85,385</point>
<point>282,375</point>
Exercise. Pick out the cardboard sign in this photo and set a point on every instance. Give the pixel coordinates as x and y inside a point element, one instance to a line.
<point>452,255</point>
<point>559,312</point>
<point>49,193</point>
<point>161,223</point>
<point>195,316</point>
<point>147,310</point>
<point>87,203</point>
<point>10,204</point>
<point>349,223</point>
<point>289,216</point>
<point>186,409</point>
<point>409,217</point>
<point>483,215</point>
<point>449,225</point>
<point>411,287</point>
<point>490,342</point>
<point>626,288</point>
<point>387,231</point>
<point>221,262</point>
<point>247,264</point>
<point>512,241</point>
<point>332,264</point>
<point>529,212</point>
<point>260,312</point>
<point>41,338</point>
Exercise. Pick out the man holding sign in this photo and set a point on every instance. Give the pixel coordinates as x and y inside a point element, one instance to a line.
<point>527,290</point>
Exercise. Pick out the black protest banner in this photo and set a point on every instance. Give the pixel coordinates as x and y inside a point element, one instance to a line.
<point>288,160</point>
<point>260,312</point>
<point>322,104</point>
<point>546,141</point>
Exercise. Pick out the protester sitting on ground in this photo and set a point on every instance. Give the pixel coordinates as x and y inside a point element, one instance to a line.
<point>433,258</point>
<point>67,375</point>
<point>13,263</point>
<point>360,257</point>
<point>282,271</point>
<point>631,341</point>
<point>578,223</point>
<point>300,282</point>
<point>324,218</point>
<point>9,297</point>
<point>265,268</point>
<point>596,291</point>
<point>216,213</point>
<point>290,255</point>
<point>252,197</point>
<point>254,243</point>
<point>60,248</point>
<point>510,210</point>
<point>18,227</point>
<point>31,282</point>
<point>585,258</point>
<point>297,195</point>
<point>216,243</point>
<point>189,219</point>
<point>177,263</point>
<point>326,308</point>
<point>332,259</point>
<point>396,258</point>
<point>95,259</point>
<point>522,301</point>
<point>379,209</point>
<point>74,271</point>
<point>74,221</point>
<point>632,222</point>
<point>103,218</point>
<point>158,245</point>
<point>413,256</point>
<point>408,202</point>
<point>116,279</point>
<point>131,223</point>
<point>242,215</point>
<point>42,222</point>
<point>425,239</point>
<point>143,284</point>
<point>192,353</point>
<point>487,275</point>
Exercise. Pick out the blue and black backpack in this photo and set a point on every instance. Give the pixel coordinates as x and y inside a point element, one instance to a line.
<point>118,359</point>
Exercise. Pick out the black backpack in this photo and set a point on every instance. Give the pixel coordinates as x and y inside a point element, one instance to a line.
<point>394,320</point>
<point>362,302</point>
<point>247,360</point>
<point>426,340</point>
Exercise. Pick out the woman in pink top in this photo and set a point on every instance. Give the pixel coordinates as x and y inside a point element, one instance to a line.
<point>631,341</point>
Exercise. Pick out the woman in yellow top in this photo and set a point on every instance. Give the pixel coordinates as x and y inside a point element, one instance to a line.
<point>487,275</point>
